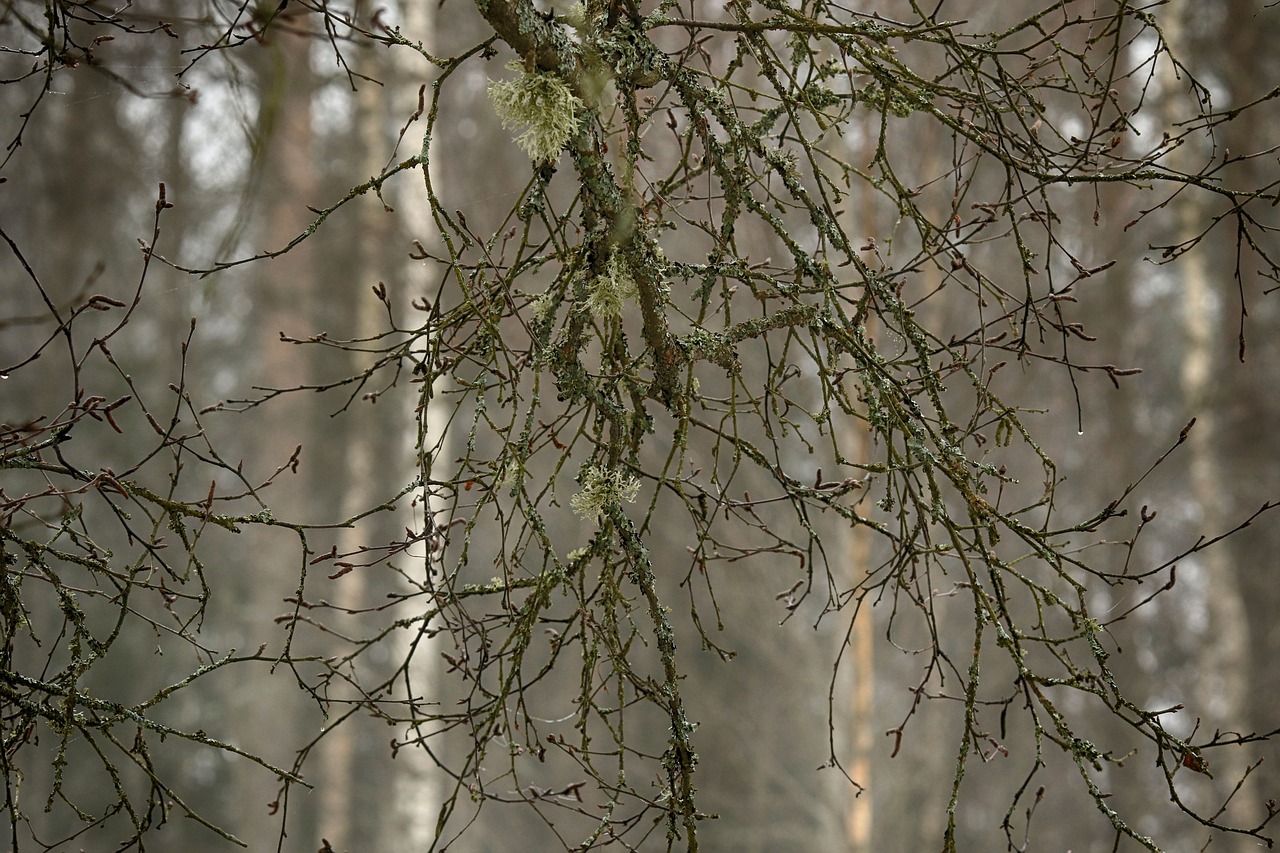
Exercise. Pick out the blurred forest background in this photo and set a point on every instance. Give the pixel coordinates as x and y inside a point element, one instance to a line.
<point>249,142</point>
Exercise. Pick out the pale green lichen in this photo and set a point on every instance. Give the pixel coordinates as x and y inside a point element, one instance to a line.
<point>508,475</point>
<point>540,103</point>
<point>575,15</point>
<point>603,490</point>
<point>610,292</point>
<point>543,305</point>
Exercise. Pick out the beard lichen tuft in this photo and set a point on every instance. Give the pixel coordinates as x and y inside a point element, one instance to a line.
<point>602,490</point>
<point>610,292</point>
<point>540,103</point>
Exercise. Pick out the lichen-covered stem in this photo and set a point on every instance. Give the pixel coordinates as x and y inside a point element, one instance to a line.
<point>679,760</point>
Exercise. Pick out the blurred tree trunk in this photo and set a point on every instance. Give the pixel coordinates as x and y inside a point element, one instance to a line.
<point>359,441</point>
<point>417,785</point>
<point>1247,406</point>
<point>366,796</point>
<point>855,548</point>
<point>1221,677</point>
<point>285,293</point>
